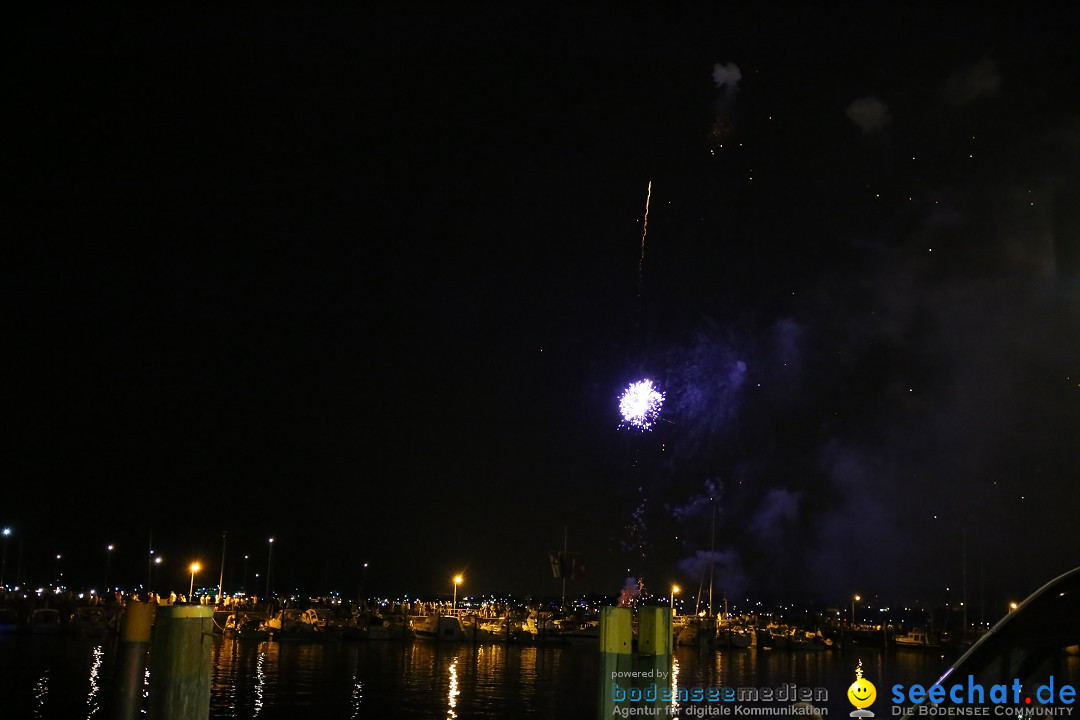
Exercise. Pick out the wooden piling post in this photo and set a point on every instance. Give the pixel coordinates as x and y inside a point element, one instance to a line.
<point>180,663</point>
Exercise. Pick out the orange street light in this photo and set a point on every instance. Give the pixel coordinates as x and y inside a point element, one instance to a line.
<point>195,567</point>
<point>457,581</point>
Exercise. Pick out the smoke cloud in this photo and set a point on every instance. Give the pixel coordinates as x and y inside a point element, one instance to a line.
<point>630,591</point>
<point>725,568</point>
<point>726,76</point>
<point>981,80</point>
<point>869,113</point>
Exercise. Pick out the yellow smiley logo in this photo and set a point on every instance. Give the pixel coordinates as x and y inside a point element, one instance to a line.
<point>862,693</point>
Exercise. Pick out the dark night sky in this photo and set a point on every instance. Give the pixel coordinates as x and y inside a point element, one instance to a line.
<point>368,282</point>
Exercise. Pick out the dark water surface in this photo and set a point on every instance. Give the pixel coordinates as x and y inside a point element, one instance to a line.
<point>68,677</point>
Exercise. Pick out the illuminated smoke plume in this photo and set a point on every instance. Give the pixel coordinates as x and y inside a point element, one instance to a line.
<point>725,569</point>
<point>640,404</point>
<point>700,505</point>
<point>631,592</point>
<point>726,76</point>
<point>778,511</point>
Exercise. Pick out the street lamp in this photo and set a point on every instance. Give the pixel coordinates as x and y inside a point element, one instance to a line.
<point>195,567</point>
<point>221,577</point>
<point>457,581</point>
<point>3,564</point>
<point>1013,606</point>
<point>57,569</point>
<point>674,590</point>
<point>157,561</point>
<point>108,557</point>
<point>853,601</point>
<point>363,586</point>
<point>269,555</point>
<point>245,574</point>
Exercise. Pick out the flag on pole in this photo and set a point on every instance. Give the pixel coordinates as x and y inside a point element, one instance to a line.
<point>566,565</point>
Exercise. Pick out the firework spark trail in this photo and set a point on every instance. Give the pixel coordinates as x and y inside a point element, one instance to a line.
<point>644,231</point>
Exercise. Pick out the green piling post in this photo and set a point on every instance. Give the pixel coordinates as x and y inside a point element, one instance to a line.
<point>655,680</point>
<point>131,659</point>
<point>180,660</point>
<point>655,632</point>
<point>616,631</point>
<point>616,660</point>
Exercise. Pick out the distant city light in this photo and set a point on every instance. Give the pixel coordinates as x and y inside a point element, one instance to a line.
<point>640,404</point>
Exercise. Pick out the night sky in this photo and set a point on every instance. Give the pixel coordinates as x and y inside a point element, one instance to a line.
<point>371,283</point>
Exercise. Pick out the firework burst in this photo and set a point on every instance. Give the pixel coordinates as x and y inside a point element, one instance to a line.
<point>640,404</point>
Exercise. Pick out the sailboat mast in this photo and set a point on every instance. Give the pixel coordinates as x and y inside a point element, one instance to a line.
<point>221,577</point>
<point>700,587</point>
<point>565,544</point>
<point>963,599</point>
<point>712,557</point>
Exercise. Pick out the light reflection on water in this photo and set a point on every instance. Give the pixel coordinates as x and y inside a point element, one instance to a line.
<point>41,692</point>
<point>145,692</point>
<point>260,683</point>
<point>674,712</point>
<point>357,696</point>
<point>92,702</point>
<point>71,677</point>
<point>832,670</point>
<point>453,692</point>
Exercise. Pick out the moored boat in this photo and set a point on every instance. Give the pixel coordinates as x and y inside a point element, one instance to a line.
<point>390,627</point>
<point>89,621</point>
<point>303,625</point>
<point>45,621</point>
<point>806,640</point>
<point>739,637</point>
<point>779,636</point>
<point>917,640</point>
<point>542,632</point>
<point>242,626</point>
<point>695,630</point>
<point>443,628</point>
<point>493,630</point>
<point>585,633</point>
<point>252,630</point>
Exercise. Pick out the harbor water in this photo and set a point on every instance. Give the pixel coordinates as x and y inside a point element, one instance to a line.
<point>66,677</point>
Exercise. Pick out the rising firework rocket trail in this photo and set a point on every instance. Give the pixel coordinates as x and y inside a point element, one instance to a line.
<point>644,231</point>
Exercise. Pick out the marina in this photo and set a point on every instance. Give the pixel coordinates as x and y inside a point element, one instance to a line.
<point>68,676</point>
<point>419,660</point>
